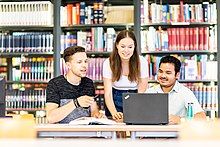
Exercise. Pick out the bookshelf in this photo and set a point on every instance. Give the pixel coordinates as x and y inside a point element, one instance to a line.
<point>166,24</point>
<point>26,51</point>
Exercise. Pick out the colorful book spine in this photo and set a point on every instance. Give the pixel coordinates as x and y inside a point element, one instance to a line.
<point>197,38</point>
<point>179,13</point>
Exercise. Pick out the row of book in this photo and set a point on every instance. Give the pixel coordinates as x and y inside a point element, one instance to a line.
<point>95,68</point>
<point>172,39</point>
<point>167,13</point>
<point>94,40</point>
<point>26,13</point>
<point>26,42</point>
<point>37,69</point>
<point>79,13</point>
<point>206,95</point>
<point>25,100</point>
<point>33,69</point>
<point>196,67</point>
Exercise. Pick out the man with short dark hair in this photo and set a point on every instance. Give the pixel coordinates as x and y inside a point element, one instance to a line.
<point>71,96</point>
<point>179,95</point>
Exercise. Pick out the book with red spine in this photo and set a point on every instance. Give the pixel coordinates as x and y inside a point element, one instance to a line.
<point>69,14</point>
<point>177,38</point>
<point>201,36</point>
<point>77,13</point>
<point>174,42</point>
<point>169,32</point>
<point>196,38</point>
<point>182,37</point>
<point>206,38</point>
<point>186,47</point>
<point>191,42</point>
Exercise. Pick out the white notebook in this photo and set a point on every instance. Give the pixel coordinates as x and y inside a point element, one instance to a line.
<point>92,121</point>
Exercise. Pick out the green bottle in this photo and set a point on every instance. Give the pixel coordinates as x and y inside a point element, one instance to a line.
<point>190,111</point>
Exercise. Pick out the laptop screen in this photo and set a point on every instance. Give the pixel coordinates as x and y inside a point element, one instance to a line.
<point>145,108</point>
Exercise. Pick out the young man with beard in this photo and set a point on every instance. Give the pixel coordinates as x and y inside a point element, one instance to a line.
<point>179,95</point>
<point>71,96</point>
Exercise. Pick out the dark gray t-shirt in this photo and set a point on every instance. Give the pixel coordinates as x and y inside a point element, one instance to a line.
<point>60,91</point>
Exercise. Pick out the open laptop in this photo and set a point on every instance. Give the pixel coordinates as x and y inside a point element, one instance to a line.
<point>145,108</point>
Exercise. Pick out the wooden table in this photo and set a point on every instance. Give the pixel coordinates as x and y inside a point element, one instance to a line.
<point>105,143</point>
<point>106,131</point>
<point>163,131</point>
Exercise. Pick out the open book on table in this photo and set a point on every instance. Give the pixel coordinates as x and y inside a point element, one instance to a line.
<point>92,121</point>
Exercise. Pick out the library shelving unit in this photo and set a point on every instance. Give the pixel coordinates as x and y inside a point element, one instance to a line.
<point>26,51</point>
<point>192,39</point>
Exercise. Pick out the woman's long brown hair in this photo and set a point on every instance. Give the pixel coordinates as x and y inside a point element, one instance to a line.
<point>134,62</point>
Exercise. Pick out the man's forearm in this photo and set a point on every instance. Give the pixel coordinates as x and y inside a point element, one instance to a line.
<point>60,113</point>
<point>94,108</point>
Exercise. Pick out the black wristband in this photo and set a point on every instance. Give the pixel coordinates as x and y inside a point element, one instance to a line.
<point>75,103</point>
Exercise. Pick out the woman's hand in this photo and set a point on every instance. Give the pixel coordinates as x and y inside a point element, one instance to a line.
<point>117,115</point>
<point>99,115</point>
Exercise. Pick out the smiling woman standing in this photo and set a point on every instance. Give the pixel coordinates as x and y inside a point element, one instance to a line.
<point>124,71</point>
